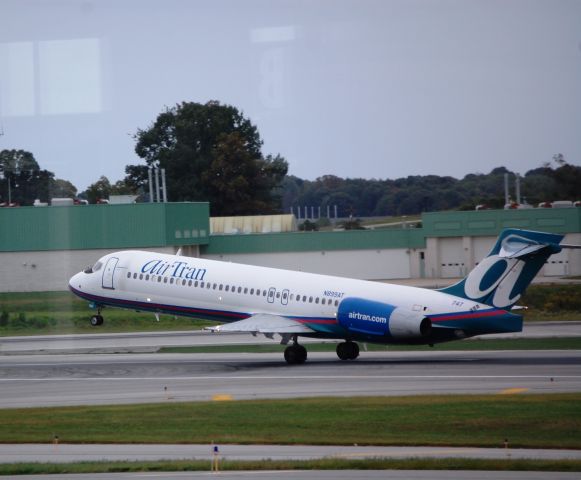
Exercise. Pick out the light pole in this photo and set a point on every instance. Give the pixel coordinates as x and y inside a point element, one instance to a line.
<point>5,174</point>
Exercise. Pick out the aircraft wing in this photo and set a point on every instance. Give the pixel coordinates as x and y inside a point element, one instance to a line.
<point>264,323</point>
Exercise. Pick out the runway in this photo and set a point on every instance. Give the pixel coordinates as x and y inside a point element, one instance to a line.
<point>82,379</point>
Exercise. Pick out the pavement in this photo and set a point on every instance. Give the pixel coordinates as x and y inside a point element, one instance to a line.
<point>65,453</point>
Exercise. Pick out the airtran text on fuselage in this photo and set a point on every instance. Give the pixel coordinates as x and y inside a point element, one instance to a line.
<point>174,269</point>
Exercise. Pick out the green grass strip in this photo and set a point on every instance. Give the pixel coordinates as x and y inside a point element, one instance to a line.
<point>565,343</point>
<point>270,465</point>
<point>535,421</point>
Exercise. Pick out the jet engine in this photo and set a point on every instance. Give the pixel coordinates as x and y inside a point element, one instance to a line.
<point>368,317</point>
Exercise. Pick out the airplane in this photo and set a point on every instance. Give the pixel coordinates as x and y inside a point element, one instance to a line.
<point>294,304</point>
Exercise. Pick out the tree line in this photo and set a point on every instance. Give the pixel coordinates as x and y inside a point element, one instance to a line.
<point>428,193</point>
<point>212,152</point>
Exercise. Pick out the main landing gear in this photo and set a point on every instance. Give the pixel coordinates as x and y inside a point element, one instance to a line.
<point>97,320</point>
<point>347,350</point>
<point>295,354</point>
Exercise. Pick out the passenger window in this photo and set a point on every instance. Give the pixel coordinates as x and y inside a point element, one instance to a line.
<point>245,291</point>
<point>336,302</point>
<point>190,283</point>
<point>317,300</point>
<point>322,301</point>
<point>284,296</point>
<point>208,285</point>
<point>196,284</point>
<point>258,292</point>
<point>184,282</point>
<point>304,298</point>
<point>128,274</point>
<point>277,294</point>
<point>159,279</point>
<point>227,288</point>
<point>264,293</point>
<point>164,279</point>
<point>147,277</point>
<point>310,299</point>
<point>214,286</point>
<point>221,287</point>
<point>171,280</point>
<point>141,276</point>
<point>134,276</point>
<point>239,289</point>
<point>252,291</point>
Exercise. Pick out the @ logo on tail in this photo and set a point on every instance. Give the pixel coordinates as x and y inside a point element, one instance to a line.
<point>500,279</point>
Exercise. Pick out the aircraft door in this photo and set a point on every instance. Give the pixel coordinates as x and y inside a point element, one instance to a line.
<point>109,273</point>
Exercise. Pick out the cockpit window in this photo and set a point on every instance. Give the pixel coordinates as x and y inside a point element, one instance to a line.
<point>94,268</point>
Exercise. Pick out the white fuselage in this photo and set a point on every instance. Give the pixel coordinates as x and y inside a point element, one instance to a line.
<point>227,291</point>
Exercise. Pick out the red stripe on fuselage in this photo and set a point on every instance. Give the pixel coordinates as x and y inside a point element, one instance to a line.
<point>464,315</point>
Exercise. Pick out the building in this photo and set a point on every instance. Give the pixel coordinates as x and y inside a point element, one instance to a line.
<point>41,248</point>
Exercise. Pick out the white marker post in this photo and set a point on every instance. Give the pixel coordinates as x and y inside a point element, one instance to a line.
<point>215,464</point>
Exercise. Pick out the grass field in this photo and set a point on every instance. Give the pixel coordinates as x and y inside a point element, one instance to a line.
<point>459,420</point>
<point>568,343</point>
<point>44,313</point>
<point>270,465</point>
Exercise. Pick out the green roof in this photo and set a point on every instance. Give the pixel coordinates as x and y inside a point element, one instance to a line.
<point>138,225</point>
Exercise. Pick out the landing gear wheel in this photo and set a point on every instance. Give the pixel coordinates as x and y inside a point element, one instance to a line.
<point>295,354</point>
<point>96,320</point>
<point>347,350</point>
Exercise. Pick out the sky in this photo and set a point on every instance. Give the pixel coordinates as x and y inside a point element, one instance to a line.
<point>353,88</point>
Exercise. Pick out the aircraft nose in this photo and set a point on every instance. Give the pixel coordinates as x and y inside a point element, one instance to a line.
<point>75,282</point>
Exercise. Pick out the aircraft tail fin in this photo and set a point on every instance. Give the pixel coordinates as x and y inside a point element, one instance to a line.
<point>501,278</point>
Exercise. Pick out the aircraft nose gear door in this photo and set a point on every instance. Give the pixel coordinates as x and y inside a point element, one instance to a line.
<point>108,273</point>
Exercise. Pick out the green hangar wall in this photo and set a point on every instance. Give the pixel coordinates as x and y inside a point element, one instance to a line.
<point>40,248</point>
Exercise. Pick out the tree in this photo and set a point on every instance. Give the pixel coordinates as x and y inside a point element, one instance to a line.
<point>62,189</point>
<point>210,152</point>
<point>101,189</point>
<point>21,178</point>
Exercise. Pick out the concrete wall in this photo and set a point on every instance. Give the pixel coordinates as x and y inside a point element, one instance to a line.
<point>48,271</point>
<point>364,264</point>
<point>449,257</point>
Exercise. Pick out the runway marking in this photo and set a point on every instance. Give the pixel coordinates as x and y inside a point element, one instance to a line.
<point>512,391</point>
<point>294,377</point>
<point>222,398</point>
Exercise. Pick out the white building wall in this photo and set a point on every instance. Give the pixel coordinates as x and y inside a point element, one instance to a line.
<point>363,264</point>
<point>453,257</point>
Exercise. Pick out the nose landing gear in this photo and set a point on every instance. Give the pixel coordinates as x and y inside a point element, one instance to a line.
<point>97,320</point>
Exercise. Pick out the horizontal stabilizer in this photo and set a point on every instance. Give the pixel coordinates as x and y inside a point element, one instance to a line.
<point>263,323</point>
